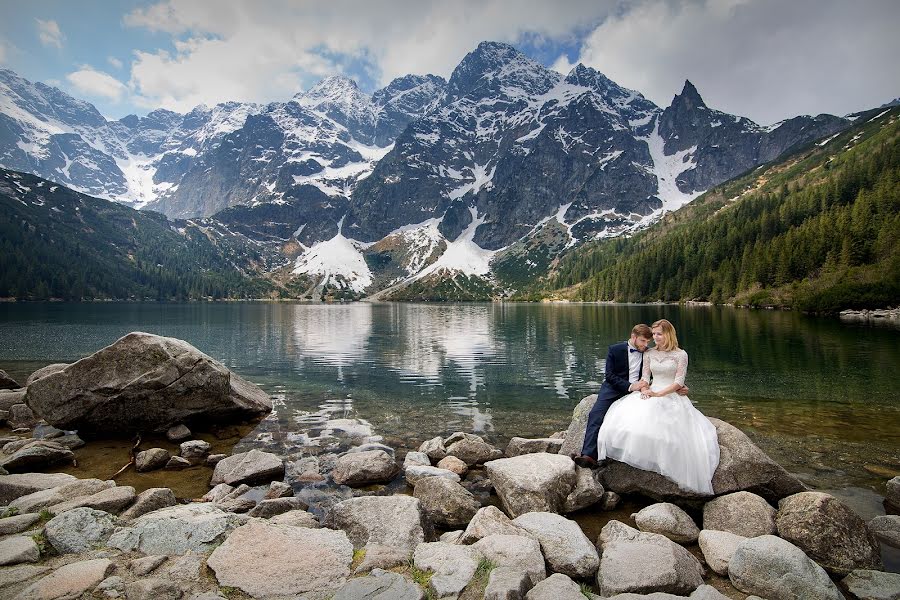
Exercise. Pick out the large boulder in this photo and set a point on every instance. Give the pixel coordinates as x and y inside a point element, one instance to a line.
<point>522,553</point>
<point>111,500</point>
<point>177,530</point>
<point>770,567</point>
<point>44,371</point>
<point>667,519</point>
<point>892,492</point>
<point>279,561</point>
<point>507,583</point>
<point>490,520</point>
<point>37,454</point>
<point>587,491</point>
<point>574,439</point>
<point>434,449</point>
<point>829,532</point>
<point>363,468</point>
<point>873,585</point>
<point>251,467</point>
<point>636,562</point>
<point>452,567</point>
<point>740,513</point>
<point>565,547</point>
<point>388,527</point>
<point>7,382</point>
<point>518,446</point>
<point>22,484</point>
<point>718,547</point>
<point>69,581</point>
<point>10,398</point>
<point>149,500</point>
<point>141,383</point>
<point>445,502</point>
<point>538,482</point>
<point>36,501</point>
<point>471,449</point>
<point>79,530</point>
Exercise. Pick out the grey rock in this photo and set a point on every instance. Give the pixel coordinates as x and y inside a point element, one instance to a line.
<point>36,501</point>
<point>176,530</point>
<point>269,561</point>
<point>379,585</point>
<point>213,459</point>
<point>305,470</point>
<point>451,537</point>
<point>363,468</point>
<point>538,482</point>
<point>416,459</point>
<point>434,449</point>
<point>186,568</point>
<point>771,567</point>
<point>296,518</point>
<point>718,547</point>
<point>38,454</point>
<point>507,583</point>
<point>829,532</point>
<point>452,565</point>
<point>79,530</point>
<point>143,382</point>
<point>454,464</point>
<point>892,492</point>
<point>555,587</point>
<point>707,592</point>
<point>18,523</point>
<point>148,501</point>
<point>21,416</point>
<point>368,447</point>
<point>279,489</point>
<point>178,433</point>
<point>472,450</point>
<point>490,520</point>
<point>563,543</point>
<point>17,578</point>
<point>253,467</point>
<point>518,552</point>
<point>518,446</point>
<point>885,527</point>
<point>219,492</point>
<point>740,513</point>
<point>667,519</point>
<point>9,398</point>
<point>7,382</point>
<point>587,491</point>
<point>18,549</point>
<point>44,371</point>
<point>47,432</point>
<point>69,581</point>
<point>111,587</point>
<point>112,500</point>
<point>574,437</point>
<point>445,502</point>
<point>387,527</point>
<point>609,501</point>
<point>150,460</point>
<point>418,473</point>
<point>276,506</point>
<point>195,451</point>
<point>70,441</point>
<point>176,463</point>
<point>146,564</point>
<point>152,589</point>
<point>873,585</point>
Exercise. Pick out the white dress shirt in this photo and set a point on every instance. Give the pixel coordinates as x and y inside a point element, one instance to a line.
<point>634,364</point>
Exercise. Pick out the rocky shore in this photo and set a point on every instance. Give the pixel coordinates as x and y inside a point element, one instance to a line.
<point>345,516</point>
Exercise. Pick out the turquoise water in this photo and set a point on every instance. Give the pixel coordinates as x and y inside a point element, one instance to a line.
<point>817,394</point>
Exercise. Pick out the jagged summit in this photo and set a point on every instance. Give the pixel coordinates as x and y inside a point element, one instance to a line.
<point>689,97</point>
<point>498,63</point>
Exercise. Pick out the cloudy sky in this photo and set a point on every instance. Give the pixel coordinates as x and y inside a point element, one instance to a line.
<point>765,59</point>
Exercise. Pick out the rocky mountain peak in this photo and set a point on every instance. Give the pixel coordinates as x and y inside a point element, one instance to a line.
<point>334,89</point>
<point>493,63</point>
<point>689,98</point>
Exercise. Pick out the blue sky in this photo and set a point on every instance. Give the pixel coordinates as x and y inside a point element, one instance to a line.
<point>764,59</point>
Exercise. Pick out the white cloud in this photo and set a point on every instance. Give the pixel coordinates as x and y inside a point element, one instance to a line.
<point>766,59</point>
<point>114,62</point>
<point>563,65</point>
<point>97,84</point>
<point>3,51</point>
<point>49,33</point>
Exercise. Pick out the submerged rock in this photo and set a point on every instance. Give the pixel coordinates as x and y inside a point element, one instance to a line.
<point>143,382</point>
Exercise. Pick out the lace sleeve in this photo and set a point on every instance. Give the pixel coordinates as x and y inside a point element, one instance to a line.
<point>645,366</point>
<point>681,367</point>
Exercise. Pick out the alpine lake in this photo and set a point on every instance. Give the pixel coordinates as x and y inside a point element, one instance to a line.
<point>819,395</point>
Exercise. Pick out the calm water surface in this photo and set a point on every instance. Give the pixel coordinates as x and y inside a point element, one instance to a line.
<point>818,395</point>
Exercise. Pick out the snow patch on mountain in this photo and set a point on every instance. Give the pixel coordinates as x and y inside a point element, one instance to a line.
<point>463,254</point>
<point>667,169</point>
<point>339,256</point>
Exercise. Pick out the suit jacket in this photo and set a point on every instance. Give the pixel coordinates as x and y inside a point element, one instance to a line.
<point>615,380</point>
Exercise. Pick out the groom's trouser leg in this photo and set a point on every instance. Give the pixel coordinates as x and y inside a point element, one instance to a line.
<point>595,420</point>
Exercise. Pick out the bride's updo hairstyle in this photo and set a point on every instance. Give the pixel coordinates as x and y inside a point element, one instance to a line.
<point>670,340</point>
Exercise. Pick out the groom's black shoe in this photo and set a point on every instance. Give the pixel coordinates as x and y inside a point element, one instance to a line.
<point>585,461</point>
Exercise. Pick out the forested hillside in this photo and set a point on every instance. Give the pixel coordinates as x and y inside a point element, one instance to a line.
<point>818,231</point>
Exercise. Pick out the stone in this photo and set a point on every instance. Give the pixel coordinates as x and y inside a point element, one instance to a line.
<point>609,501</point>
<point>253,467</point>
<point>218,493</point>
<point>69,581</point>
<point>41,499</point>
<point>434,449</point>
<point>187,567</point>
<point>707,592</point>
<point>176,463</point>
<point>47,432</point>
<point>177,529</point>
<point>270,561</point>
<point>195,451</point>
<point>276,506</point>
<point>873,585</point>
<point>21,416</point>
<point>454,464</point>
<point>587,491</point>
<point>148,501</point>
<point>146,564</point>
<point>416,459</point>
<point>379,585</point>
<point>451,537</point>
<point>507,583</point>
<point>387,527</point>
<point>771,567</point>
<point>140,383</point>
<point>9,398</point>
<point>667,519</point>
<point>886,529</point>
<point>718,547</point>
<point>21,484</point>
<point>305,470</point>
<point>150,460</point>
<point>633,561</point>
<point>416,474</point>
<point>79,530</point>
<point>7,382</point>
<point>38,454</point>
<point>452,566</point>
<point>178,433</point>
<point>472,450</point>
<point>18,523</point>
<point>563,543</point>
<point>740,513</point>
<point>363,468</point>
<point>574,437</point>
<point>112,500</point>
<point>556,587</point>
<point>213,459</point>
<point>18,549</point>
<point>490,520</point>
<point>70,441</point>
<point>279,489</point>
<point>111,587</point>
<point>44,371</point>
<point>368,447</point>
<point>518,446</point>
<point>516,551</point>
<point>892,492</point>
<point>538,482</point>
<point>445,502</point>
<point>15,579</point>
<point>152,589</point>
<point>829,532</point>
<point>296,518</point>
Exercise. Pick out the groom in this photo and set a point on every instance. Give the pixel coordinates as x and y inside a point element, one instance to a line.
<point>622,375</point>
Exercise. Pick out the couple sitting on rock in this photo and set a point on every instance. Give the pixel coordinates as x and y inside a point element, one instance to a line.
<point>643,416</point>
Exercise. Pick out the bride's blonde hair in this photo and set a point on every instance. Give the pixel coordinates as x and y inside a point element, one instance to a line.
<point>670,340</point>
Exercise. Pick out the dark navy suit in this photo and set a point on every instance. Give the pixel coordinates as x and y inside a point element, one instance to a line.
<point>615,385</point>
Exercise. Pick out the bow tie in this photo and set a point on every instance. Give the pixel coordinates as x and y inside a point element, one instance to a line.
<point>634,350</point>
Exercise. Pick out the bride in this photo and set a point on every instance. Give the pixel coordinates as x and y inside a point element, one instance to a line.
<point>655,429</point>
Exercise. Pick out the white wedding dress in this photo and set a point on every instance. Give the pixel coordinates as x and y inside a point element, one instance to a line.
<point>665,434</point>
